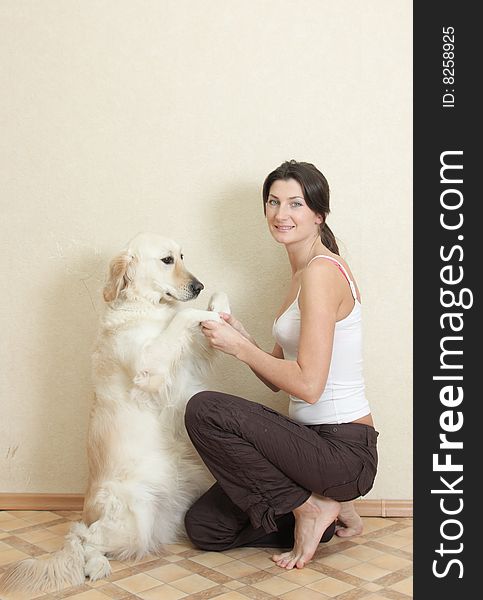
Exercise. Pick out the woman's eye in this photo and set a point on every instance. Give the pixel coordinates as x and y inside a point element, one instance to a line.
<point>273,202</point>
<point>168,260</point>
<point>296,204</point>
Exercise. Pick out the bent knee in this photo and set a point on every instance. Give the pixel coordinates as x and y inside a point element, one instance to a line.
<point>204,535</point>
<point>193,530</point>
<point>195,406</point>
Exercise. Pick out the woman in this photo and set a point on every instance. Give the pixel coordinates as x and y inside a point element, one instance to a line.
<point>286,481</point>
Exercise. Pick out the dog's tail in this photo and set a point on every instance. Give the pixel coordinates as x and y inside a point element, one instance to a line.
<point>65,568</point>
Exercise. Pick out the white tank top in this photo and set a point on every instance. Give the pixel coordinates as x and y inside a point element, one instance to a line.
<point>343,399</point>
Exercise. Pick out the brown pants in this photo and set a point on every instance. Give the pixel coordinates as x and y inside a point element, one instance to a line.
<point>266,465</point>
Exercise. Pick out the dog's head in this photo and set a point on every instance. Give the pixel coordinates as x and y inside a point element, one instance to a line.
<point>151,267</point>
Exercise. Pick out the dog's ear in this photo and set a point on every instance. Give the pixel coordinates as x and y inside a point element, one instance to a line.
<point>121,272</point>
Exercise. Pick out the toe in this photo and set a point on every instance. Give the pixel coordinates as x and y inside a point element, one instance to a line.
<point>347,532</point>
<point>284,561</point>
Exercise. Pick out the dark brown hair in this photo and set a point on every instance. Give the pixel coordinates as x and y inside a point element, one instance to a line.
<point>316,193</point>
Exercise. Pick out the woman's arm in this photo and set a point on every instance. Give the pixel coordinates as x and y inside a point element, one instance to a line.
<point>277,351</point>
<point>306,377</point>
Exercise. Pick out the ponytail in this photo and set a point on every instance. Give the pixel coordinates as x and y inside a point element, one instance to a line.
<point>328,238</point>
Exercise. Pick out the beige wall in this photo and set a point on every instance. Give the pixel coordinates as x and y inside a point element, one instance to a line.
<point>123,116</point>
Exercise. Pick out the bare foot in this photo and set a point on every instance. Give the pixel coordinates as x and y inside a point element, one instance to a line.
<point>349,522</point>
<point>311,520</point>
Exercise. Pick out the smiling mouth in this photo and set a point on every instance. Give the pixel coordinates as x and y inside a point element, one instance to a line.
<point>284,227</point>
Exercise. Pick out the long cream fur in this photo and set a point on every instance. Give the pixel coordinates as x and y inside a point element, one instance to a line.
<point>150,358</point>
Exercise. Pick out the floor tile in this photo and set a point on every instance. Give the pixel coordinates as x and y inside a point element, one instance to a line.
<point>276,585</point>
<point>212,559</point>
<point>303,576</point>
<point>390,563</point>
<point>11,556</point>
<point>304,594</point>
<point>193,583</point>
<point>137,583</point>
<point>367,571</point>
<point>236,569</point>
<point>231,596</point>
<point>376,565</point>
<point>404,587</point>
<point>330,587</point>
<point>90,595</point>
<point>261,560</point>
<point>162,592</point>
<point>168,573</point>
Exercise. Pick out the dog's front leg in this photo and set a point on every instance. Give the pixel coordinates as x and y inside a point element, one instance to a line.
<point>219,302</point>
<point>161,356</point>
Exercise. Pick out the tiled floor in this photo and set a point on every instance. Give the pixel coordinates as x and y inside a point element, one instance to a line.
<point>374,566</point>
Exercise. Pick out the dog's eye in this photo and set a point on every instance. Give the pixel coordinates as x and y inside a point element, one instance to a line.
<point>168,260</point>
<point>182,256</point>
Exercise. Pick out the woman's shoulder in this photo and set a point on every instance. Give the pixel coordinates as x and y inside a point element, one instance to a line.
<point>320,275</point>
<point>326,263</point>
<point>328,270</point>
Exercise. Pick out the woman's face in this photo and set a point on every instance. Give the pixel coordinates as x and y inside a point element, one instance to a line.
<point>288,216</point>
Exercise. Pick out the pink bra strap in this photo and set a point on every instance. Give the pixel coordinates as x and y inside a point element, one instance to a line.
<point>341,269</point>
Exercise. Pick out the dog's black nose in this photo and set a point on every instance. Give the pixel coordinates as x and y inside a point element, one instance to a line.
<point>196,286</point>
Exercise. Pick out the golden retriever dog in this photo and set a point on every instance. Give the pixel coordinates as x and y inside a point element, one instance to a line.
<point>150,358</point>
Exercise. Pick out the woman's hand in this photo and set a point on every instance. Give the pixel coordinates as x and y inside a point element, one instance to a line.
<point>230,319</point>
<point>225,336</point>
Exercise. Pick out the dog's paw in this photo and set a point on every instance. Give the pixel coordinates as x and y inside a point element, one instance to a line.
<point>97,567</point>
<point>219,303</point>
<point>142,379</point>
<point>192,317</point>
<point>147,381</point>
